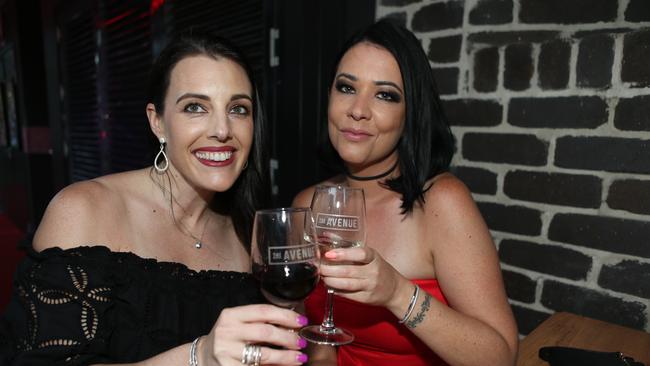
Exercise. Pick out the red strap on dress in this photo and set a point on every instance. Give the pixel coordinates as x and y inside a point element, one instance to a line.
<point>379,339</point>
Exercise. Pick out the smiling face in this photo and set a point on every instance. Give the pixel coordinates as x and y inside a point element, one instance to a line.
<point>366,109</point>
<point>207,121</point>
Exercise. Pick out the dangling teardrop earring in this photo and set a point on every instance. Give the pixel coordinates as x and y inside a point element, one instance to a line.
<point>165,165</point>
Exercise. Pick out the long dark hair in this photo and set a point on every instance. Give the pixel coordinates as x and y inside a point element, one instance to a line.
<point>250,190</point>
<point>426,146</point>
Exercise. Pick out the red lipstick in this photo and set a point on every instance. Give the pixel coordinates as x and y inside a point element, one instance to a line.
<point>215,156</point>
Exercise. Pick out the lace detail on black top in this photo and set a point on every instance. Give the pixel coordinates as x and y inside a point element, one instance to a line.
<point>173,269</point>
<point>91,305</point>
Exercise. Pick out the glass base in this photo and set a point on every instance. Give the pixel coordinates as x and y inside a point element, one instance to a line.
<point>334,337</point>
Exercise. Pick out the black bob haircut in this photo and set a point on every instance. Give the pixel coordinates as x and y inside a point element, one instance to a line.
<point>426,146</point>
<point>250,191</point>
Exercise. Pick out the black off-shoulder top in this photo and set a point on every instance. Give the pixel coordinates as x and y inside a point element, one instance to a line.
<point>90,305</point>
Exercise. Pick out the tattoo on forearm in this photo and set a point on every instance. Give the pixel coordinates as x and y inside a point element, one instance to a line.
<point>424,308</point>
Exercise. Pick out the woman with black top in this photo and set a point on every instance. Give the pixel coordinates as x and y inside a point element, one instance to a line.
<point>152,266</point>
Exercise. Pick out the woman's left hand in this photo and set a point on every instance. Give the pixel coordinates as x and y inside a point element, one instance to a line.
<point>360,274</point>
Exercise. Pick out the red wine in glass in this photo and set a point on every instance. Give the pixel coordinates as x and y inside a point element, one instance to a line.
<point>284,255</point>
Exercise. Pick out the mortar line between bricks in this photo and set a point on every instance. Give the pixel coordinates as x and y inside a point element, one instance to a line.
<point>559,209</point>
<point>516,9</point>
<point>596,267</point>
<point>624,92</point>
<point>617,63</point>
<point>565,29</point>
<point>464,69</point>
<point>502,168</point>
<point>540,277</point>
<point>495,167</point>
<point>536,49</point>
<point>606,256</point>
<point>622,5</point>
<point>546,133</point>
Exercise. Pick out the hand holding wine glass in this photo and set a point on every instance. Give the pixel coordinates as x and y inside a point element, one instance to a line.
<point>340,214</point>
<point>284,255</point>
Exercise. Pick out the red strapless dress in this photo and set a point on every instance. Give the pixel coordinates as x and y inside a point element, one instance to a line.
<point>379,338</point>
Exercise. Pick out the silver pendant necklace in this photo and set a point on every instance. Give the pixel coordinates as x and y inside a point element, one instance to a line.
<point>198,242</point>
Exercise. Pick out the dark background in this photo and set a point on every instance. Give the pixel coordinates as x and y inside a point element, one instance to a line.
<point>73,78</point>
<point>549,101</point>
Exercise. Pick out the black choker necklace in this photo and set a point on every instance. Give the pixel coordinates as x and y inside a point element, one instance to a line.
<point>372,177</point>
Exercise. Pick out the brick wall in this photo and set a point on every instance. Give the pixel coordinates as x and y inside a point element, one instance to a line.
<point>549,102</point>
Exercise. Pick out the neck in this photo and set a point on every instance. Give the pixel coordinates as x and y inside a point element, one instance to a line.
<point>189,205</point>
<point>372,177</point>
<point>373,187</point>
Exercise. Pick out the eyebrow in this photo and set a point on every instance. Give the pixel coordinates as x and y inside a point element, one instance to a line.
<point>207,98</point>
<point>192,95</point>
<point>378,83</point>
<point>241,96</point>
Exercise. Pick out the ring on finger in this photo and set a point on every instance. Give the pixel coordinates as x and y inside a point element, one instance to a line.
<point>251,355</point>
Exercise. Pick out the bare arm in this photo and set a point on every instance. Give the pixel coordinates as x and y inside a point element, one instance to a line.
<point>70,218</point>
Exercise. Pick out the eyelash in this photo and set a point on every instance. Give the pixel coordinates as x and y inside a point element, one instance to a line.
<point>343,88</point>
<point>389,96</point>
<point>194,108</point>
<point>245,111</point>
<point>188,108</point>
<point>383,95</point>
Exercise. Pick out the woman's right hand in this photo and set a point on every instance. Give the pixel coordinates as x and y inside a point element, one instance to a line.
<point>254,324</point>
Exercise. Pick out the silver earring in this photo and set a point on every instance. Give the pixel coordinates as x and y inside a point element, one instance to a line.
<point>165,161</point>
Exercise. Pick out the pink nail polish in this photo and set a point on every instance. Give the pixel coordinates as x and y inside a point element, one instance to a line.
<point>302,343</point>
<point>302,358</point>
<point>302,320</point>
<point>330,255</point>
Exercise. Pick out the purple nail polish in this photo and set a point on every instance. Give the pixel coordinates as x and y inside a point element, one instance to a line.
<point>302,343</point>
<point>302,320</point>
<point>302,358</point>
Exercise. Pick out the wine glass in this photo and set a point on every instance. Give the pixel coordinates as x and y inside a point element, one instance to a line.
<point>340,214</point>
<point>284,254</point>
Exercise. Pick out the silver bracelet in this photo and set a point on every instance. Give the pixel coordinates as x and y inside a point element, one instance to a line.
<point>193,360</point>
<point>414,299</point>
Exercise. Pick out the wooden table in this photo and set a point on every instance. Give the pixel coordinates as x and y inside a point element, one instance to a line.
<point>570,330</point>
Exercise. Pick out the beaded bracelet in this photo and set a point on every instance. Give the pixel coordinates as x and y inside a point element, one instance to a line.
<point>193,360</point>
<point>414,299</point>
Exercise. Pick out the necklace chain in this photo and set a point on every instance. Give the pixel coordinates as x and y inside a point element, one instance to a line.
<point>198,241</point>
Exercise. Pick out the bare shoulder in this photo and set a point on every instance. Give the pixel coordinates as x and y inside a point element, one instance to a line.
<point>447,192</point>
<point>303,198</point>
<point>453,216</point>
<point>77,212</point>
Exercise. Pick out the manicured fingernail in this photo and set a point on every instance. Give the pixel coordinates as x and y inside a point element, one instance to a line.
<point>330,255</point>
<point>302,358</point>
<point>302,320</point>
<point>302,343</point>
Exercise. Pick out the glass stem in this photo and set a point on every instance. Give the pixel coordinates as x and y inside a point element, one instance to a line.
<point>328,320</point>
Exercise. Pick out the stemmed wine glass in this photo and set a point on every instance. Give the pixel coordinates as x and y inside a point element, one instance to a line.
<point>284,254</point>
<point>340,214</point>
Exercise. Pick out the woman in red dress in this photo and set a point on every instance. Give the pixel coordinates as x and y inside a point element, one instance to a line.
<point>427,288</point>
